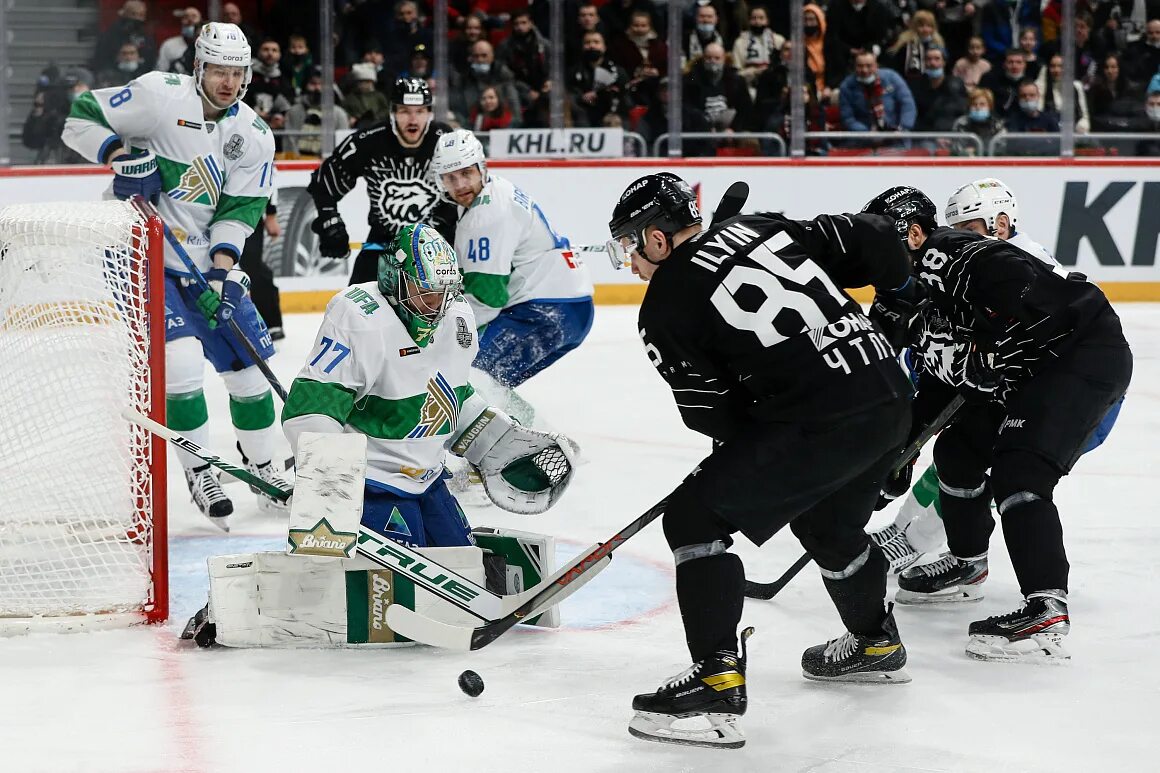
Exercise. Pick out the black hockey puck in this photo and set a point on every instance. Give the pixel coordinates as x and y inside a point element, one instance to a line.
<point>471,683</point>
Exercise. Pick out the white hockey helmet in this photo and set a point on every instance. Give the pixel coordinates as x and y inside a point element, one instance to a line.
<point>456,150</point>
<point>984,200</point>
<point>224,44</point>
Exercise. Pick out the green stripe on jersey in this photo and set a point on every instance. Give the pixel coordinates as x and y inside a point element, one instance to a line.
<point>244,209</point>
<point>86,108</point>
<point>489,289</point>
<point>375,417</point>
<point>252,413</point>
<point>186,412</point>
<point>171,172</point>
<point>308,396</point>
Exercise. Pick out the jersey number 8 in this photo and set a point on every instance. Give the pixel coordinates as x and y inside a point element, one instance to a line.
<point>484,251</point>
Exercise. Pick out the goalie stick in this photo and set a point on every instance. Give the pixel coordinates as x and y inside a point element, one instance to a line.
<point>405,561</point>
<point>767,590</point>
<point>199,279</point>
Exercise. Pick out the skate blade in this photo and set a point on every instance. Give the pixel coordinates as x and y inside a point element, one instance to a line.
<point>1039,649</point>
<point>268,506</point>
<point>863,677</point>
<point>222,522</point>
<point>958,595</point>
<point>722,732</point>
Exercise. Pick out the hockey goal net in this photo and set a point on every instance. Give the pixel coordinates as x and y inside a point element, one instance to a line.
<point>82,490</point>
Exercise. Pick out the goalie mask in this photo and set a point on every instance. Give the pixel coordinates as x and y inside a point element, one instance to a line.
<point>419,276</point>
<point>984,200</point>
<point>662,200</point>
<point>225,45</point>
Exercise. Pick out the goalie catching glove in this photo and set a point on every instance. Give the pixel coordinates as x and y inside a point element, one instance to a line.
<point>523,470</point>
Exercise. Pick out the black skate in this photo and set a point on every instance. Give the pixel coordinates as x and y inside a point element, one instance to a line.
<point>200,629</point>
<point>947,580</point>
<point>858,658</point>
<point>207,494</point>
<point>713,688</point>
<point>1031,634</point>
<point>897,548</point>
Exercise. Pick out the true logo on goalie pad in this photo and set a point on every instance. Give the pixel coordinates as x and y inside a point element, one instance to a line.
<point>322,540</point>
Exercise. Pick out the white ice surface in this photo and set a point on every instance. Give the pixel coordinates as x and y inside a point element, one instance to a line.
<point>139,700</point>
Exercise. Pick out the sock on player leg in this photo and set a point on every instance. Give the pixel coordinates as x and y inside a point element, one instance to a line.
<point>253,419</point>
<point>187,413</point>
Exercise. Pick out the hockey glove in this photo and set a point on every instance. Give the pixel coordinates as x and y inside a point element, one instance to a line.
<point>897,483</point>
<point>333,240</point>
<point>136,174</point>
<point>895,311</point>
<point>979,375</point>
<point>227,289</point>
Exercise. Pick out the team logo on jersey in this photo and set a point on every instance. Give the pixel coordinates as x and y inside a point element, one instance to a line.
<point>402,194</point>
<point>201,182</point>
<point>462,332</point>
<point>440,410</point>
<point>233,148</point>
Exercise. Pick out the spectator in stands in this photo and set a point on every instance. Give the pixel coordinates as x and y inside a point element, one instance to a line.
<point>1030,119</point>
<point>298,62</point>
<point>399,36</point>
<point>644,55</point>
<point>459,53</point>
<point>1142,58</point>
<point>1151,147</point>
<point>656,122</point>
<point>756,48</point>
<point>616,16</point>
<point>484,71</point>
<point>128,28</point>
<point>939,98</point>
<point>50,107</point>
<point>998,21</point>
<point>1004,84</point>
<point>1088,51</point>
<point>778,120</point>
<point>491,112</point>
<point>1029,45</point>
<point>588,20</point>
<point>718,91</point>
<point>1051,93</point>
<point>979,120</point>
<point>384,77</point>
<point>129,66</point>
<point>704,32</point>
<point>232,14</point>
<point>856,26</point>
<point>823,60</point>
<point>908,54</point>
<point>526,54</point>
<point>957,20</point>
<point>597,86</point>
<point>271,92</point>
<point>173,49</point>
<point>874,99</point>
<point>773,85</point>
<point>420,65</point>
<point>1115,101</point>
<point>365,105</point>
<point>971,68</point>
<point>304,119</point>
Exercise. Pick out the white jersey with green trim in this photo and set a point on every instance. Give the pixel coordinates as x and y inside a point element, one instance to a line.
<point>510,254</point>
<point>216,175</point>
<point>365,374</point>
<point>1032,247</point>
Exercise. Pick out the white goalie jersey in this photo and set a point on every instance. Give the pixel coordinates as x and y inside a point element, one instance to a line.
<point>216,175</point>
<point>365,374</point>
<point>509,253</point>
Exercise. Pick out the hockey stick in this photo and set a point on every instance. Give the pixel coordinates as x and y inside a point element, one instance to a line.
<point>767,590</point>
<point>559,586</point>
<point>200,280</point>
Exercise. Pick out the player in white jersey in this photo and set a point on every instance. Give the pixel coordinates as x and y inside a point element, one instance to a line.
<point>391,361</point>
<point>532,295</point>
<point>989,208</point>
<point>206,159</point>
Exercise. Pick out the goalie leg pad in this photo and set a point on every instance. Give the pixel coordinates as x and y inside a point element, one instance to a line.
<point>528,559</point>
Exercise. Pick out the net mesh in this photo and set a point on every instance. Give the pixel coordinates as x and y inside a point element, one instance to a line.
<point>75,484</point>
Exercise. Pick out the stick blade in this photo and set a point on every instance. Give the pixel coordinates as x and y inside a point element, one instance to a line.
<point>732,202</point>
<point>420,628</point>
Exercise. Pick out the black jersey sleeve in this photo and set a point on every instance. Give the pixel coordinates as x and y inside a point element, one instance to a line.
<point>855,250</point>
<point>337,174</point>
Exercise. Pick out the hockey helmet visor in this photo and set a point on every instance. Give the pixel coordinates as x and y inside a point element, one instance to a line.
<point>904,205</point>
<point>662,200</point>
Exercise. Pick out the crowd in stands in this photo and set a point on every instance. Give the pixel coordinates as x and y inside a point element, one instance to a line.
<point>984,67</point>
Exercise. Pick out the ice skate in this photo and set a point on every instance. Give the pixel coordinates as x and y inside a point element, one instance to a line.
<point>710,690</point>
<point>1031,634</point>
<point>897,548</point>
<point>857,658</point>
<point>207,494</point>
<point>266,503</point>
<point>947,580</point>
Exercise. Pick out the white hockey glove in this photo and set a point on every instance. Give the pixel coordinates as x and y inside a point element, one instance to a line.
<point>523,470</point>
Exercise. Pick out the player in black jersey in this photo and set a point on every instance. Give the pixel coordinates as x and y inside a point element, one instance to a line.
<point>1041,358</point>
<point>808,411</point>
<point>395,160</point>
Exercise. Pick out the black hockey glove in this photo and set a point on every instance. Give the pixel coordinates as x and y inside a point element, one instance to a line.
<point>979,376</point>
<point>333,240</point>
<point>896,311</point>
<point>895,485</point>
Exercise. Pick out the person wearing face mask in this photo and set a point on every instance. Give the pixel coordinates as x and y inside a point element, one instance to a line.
<point>1142,58</point>
<point>298,62</point>
<point>50,107</point>
<point>823,54</point>
<point>173,49</point>
<point>643,54</point>
<point>856,26</point>
<point>597,86</point>
<point>873,99</point>
<point>908,53</point>
<point>526,53</point>
<point>128,28</point>
<point>980,120</point>
<point>1151,147</point>
<point>128,67</point>
<point>1004,83</point>
<point>704,31</point>
<point>304,119</point>
<point>939,97</point>
<point>757,47</point>
<point>1031,119</point>
<point>483,70</point>
<point>717,90</point>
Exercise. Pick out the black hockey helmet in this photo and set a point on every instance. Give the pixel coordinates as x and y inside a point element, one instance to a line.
<point>905,205</point>
<point>662,200</point>
<point>410,92</point>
